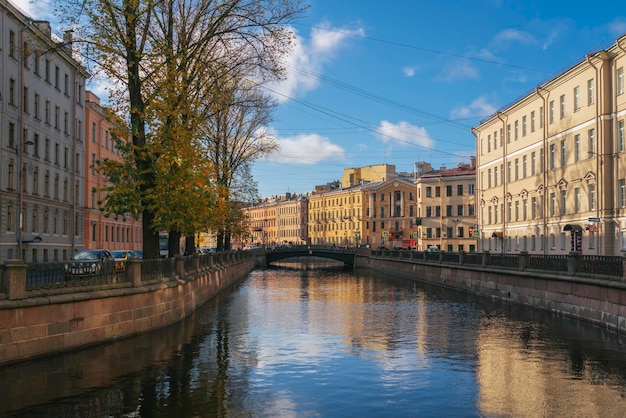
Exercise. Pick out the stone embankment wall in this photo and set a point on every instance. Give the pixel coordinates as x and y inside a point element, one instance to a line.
<point>598,301</point>
<point>39,326</point>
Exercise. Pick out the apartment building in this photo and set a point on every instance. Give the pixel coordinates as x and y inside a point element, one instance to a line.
<point>291,220</point>
<point>552,165</point>
<point>446,209</point>
<point>110,232</point>
<point>261,221</point>
<point>336,216</point>
<point>42,114</point>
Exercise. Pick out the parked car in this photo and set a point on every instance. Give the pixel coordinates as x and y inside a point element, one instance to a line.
<point>138,254</point>
<point>86,263</point>
<point>120,257</point>
<point>433,249</point>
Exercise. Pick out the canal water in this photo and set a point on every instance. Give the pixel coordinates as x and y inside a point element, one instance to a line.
<point>306,340</point>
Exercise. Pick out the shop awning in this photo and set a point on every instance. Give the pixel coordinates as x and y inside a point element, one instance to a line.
<point>497,234</point>
<point>572,227</point>
<point>34,238</point>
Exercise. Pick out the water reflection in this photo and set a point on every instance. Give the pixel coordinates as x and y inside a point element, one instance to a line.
<point>318,340</point>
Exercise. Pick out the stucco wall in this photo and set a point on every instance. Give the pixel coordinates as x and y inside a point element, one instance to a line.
<point>599,301</point>
<point>45,325</point>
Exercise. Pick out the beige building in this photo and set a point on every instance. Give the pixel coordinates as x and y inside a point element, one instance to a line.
<point>446,211</point>
<point>552,166</point>
<point>371,205</point>
<point>42,152</point>
<point>291,220</point>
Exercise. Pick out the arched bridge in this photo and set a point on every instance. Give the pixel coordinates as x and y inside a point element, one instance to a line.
<point>345,255</point>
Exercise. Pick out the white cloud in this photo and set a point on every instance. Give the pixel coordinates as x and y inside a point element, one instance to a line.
<point>478,108</point>
<point>510,36</point>
<point>306,149</point>
<point>461,69</point>
<point>309,57</point>
<point>408,71</point>
<point>404,132</point>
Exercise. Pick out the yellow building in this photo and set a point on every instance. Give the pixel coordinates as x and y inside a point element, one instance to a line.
<point>552,165</point>
<point>335,216</point>
<point>446,211</point>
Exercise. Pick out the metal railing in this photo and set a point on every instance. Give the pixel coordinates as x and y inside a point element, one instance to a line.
<point>573,264</point>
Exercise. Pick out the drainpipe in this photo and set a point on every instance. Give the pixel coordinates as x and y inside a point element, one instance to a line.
<point>544,173</point>
<point>598,154</point>
<point>502,177</point>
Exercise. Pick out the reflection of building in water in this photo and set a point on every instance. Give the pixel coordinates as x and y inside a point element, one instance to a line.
<point>518,379</point>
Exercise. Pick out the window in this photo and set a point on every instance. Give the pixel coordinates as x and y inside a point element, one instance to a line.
<point>459,210</point>
<point>437,191</point>
<point>523,125</point>
<point>516,130</point>
<point>562,205</point>
<point>495,176</point>
<point>448,210</point>
<point>517,210</point>
<point>508,133</point>
<point>429,191</point>
<point>12,92</point>
<point>533,207</point>
<point>12,141</point>
<point>470,210</point>
<point>25,99</point>
<point>552,204</point>
<point>577,202</point>
<point>591,95</point>
<point>576,147</point>
<point>524,164</point>
<point>508,172</point>
<point>495,139</point>
<point>562,106</point>
<point>591,142</point>
<point>517,169</point>
<point>620,136</point>
<point>551,112</point>
<point>470,189</point>
<point>563,153</point>
<point>576,99</point>
<point>541,117</point>
<point>459,190</point>
<point>532,121</point>
<point>525,209</point>
<point>552,156</point>
<point>592,196</point>
<point>533,163</point>
<point>12,44</point>
<point>460,232</point>
<point>448,190</point>
<point>37,106</point>
<point>620,81</point>
<point>622,193</point>
<point>509,214</point>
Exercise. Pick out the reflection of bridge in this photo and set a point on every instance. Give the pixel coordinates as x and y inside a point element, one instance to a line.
<point>345,255</point>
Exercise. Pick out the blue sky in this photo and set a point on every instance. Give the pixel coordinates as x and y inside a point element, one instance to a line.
<point>398,82</point>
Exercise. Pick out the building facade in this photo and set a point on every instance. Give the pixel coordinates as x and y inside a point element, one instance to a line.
<point>42,114</point>
<point>552,165</point>
<point>110,232</point>
<point>446,212</point>
<point>291,220</point>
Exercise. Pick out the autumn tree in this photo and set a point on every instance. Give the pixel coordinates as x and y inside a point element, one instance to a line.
<point>163,59</point>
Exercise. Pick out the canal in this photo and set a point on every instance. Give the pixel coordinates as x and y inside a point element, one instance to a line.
<point>317,340</point>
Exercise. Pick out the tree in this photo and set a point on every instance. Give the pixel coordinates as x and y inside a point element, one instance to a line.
<point>235,136</point>
<point>164,59</point>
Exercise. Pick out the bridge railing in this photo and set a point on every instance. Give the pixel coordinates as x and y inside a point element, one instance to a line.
<point>572,264</point>
<point>19,280</point>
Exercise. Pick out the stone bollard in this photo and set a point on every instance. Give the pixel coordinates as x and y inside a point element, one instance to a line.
<point>485,262</point>
<point>571,262</point>
<point>133,271</point>
<point>461,256</point>
<point>196,262</point>
<point>523,260</point>
<point>180,265</point>
<point>15,279</point>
